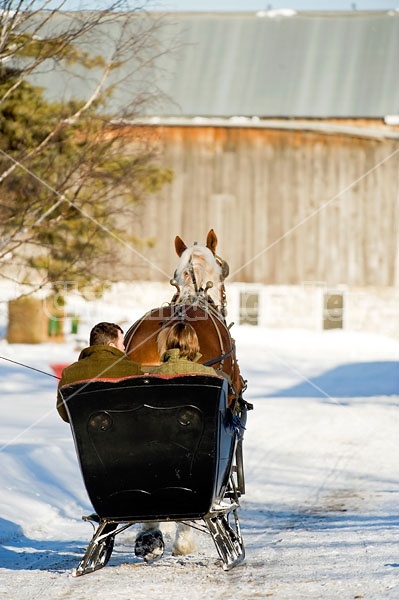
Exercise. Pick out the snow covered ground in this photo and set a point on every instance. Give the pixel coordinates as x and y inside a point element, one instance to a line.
<point>320,517</point>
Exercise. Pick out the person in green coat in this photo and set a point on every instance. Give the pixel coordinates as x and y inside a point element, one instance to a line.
<point>104,358</point>
<point>178,348</point>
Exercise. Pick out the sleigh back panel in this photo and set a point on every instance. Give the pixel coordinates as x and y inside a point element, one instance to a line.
<point>152,447</point>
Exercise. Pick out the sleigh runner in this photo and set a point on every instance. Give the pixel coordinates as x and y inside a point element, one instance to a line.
<point>158,447</point>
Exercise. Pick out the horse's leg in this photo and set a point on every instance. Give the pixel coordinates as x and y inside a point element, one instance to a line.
<point>184,540</point>
<point>149,542</point>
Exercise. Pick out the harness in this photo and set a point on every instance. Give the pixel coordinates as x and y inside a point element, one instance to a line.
<point>193,277</point>
<point>220,359</point>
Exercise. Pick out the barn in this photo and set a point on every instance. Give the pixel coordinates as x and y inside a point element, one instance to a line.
<point>282,131</point>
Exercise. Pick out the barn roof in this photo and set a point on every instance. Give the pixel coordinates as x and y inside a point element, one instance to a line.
<point>273,64</point>
<point>305,65</point>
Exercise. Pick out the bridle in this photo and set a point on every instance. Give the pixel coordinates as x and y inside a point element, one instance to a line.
<point>200,291</point>
<point>224,271</point>
<point>192,275</point>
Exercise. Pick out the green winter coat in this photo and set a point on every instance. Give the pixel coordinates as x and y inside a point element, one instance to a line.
<point>172,362</point>
<point>96,362</point>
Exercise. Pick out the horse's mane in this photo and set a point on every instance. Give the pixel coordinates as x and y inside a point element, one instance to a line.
<point>205,267</point>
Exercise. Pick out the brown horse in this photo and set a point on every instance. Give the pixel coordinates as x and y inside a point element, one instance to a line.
<point>201,301</point>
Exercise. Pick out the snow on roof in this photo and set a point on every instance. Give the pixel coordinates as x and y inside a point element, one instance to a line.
<point>268,64</point>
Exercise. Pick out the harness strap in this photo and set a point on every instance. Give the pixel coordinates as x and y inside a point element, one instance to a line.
<point>213,319</point>
<point>192,273</point>
<point>220,358</point>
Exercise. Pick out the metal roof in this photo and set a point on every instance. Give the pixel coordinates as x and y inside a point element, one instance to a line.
<point>309,65</point>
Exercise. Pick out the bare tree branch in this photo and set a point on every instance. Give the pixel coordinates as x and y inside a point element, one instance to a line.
<point>61,162</point>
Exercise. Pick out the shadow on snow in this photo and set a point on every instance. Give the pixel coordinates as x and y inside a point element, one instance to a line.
<point>354,380</point>
<point>18,552</point>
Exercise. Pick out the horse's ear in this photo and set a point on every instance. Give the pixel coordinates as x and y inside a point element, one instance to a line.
<point>211,241</point>
<point>180,246</point>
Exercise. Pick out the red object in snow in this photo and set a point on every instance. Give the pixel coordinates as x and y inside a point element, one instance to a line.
<point>58,368</point>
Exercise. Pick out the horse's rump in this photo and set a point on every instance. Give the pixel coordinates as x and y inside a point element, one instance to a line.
<point>214,338</point>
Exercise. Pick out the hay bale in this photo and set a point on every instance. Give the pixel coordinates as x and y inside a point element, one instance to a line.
<point>27,321</point>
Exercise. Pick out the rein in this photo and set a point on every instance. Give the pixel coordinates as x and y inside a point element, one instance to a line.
<point>220,358</point>
<point>28,367</point>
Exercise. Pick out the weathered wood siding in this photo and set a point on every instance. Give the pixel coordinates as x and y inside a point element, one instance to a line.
<point>288,206</point>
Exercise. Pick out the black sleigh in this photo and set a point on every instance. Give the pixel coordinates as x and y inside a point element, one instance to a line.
<point>158,448</point>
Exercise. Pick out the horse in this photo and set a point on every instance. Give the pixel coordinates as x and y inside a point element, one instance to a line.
<point>199,300</point>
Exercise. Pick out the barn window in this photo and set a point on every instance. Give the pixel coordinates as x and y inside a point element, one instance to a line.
<point>249,303</point>
<point>333,311</point>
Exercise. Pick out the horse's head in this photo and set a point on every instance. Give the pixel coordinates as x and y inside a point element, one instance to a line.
<point>200,272</point>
